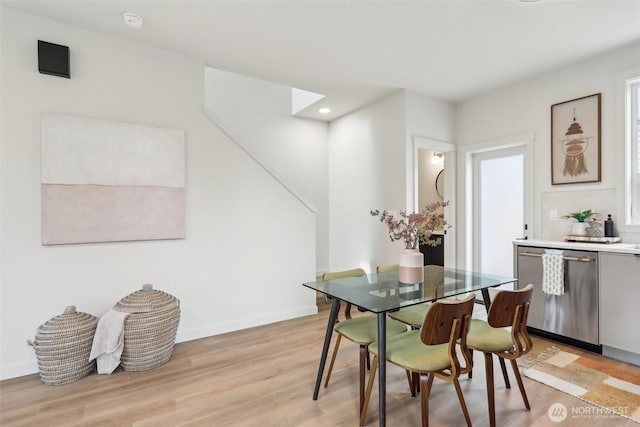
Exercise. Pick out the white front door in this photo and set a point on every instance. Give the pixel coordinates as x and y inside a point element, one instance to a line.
<point>499,214</point>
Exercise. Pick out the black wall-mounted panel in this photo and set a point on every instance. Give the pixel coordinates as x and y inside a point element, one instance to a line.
<point>53,59</point>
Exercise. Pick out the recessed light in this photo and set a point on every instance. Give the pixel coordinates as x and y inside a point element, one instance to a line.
<point>133,20</point>
<point>324,110</point>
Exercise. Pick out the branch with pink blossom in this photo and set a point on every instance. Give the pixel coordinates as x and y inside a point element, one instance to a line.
<point>414,228</point>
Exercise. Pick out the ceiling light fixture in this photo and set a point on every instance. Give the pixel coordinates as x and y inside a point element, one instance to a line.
<point>133,20</point>
<point>324,110</point>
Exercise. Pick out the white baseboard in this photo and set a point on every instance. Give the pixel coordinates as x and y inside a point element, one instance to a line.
<point>619,354</point>
<point>222,328</point>
<point>19,370</point>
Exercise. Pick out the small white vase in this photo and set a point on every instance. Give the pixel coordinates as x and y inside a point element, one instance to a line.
<point>411,267</point>
<point>579,229</point>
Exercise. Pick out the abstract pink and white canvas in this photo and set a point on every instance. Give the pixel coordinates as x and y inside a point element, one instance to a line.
<point>105,181</point>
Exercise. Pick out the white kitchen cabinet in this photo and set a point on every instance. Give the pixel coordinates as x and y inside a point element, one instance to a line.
<point>620,305</point>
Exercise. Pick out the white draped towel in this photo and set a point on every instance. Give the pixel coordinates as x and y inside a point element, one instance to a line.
<point>108,341</point>
<point>553,274</point>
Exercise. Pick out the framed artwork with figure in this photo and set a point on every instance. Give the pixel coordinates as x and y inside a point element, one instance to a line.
<point>575,141</point>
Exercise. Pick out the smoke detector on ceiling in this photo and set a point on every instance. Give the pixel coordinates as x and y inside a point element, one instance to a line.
<point>133,20</point>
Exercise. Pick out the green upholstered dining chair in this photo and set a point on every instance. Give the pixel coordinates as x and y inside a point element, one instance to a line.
<point>356,272</point>
<point>362,330</point>
<point>431,352</point>
<point>414,314</point>
<point>508,309</point>
<point>386,268</point>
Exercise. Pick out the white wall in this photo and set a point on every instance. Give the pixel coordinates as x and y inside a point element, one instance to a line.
<point>430,118</point>
<point>242,227</point>
<point>525,107</point>
<point>368,169</point>
<point>257,114</point>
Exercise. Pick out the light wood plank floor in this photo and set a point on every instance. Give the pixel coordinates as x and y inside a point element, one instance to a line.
<point>264,376</point>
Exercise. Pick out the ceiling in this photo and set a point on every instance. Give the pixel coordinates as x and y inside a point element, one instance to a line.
<point>357,51</point>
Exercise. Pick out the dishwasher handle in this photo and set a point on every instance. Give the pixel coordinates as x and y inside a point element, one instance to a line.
<point>566,258</point>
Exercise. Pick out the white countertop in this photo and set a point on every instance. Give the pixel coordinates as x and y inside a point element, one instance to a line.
<point>628,248</point>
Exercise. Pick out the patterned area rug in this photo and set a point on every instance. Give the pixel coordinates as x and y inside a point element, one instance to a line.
<point>598,383</point>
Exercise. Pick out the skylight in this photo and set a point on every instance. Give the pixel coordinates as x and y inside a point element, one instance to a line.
<point>301,99</point>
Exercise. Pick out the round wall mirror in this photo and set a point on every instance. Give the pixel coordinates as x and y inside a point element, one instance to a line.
<point>440,184</point>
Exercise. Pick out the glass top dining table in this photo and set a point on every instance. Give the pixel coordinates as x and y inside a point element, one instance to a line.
<point>381,293</point>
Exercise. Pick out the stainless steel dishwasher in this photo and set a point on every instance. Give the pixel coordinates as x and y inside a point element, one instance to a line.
<point>572,317</point>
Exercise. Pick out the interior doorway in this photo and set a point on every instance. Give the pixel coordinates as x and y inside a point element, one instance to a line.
<point>434,174</point>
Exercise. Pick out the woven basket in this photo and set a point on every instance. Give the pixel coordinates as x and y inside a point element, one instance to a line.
<point>150,329</point>
<point>63,345</point>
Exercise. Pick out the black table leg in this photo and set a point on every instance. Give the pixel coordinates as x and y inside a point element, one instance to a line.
<point>333,315</point>
<point>382,368</point>
<point>503,367</point>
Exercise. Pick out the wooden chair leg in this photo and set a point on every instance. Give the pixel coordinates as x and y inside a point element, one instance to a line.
<point>425,389</point>
<point>364,352</point>
<point>471,370</point>
<point>488,364</point>
<point>367,396</point>
<point>410,381</point>
<point>516,371</point>
<point>368,362</point>
<point>505,375</point>
<point>462,402</point>
<point>333,359</point>
<point>415,379</point>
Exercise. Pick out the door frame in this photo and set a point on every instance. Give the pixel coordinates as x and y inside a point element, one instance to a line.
<point>526,141</point>
<point>450,150</point>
